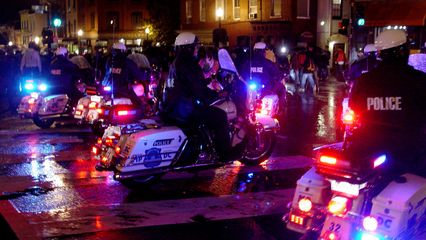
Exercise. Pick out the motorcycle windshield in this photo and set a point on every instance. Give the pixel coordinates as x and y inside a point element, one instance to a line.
<point>225,61</point>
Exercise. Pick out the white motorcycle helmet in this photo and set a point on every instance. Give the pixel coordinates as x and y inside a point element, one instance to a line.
<point>61,51</point>
<point>186,38</point>
<point>369,48</point>
<point>119,46</point>
<point>390,39</point>
<point>259,46</point>
<point>392,46</point>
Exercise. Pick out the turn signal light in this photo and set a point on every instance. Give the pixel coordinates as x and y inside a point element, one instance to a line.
<point>93,105</point>
<point>99,141</point>
<point>117,150</point>
<point>328,160</point>
<point>99,110</point>
<point>305,205</point>
<point>80,107</point>
<point>370,223</point>
<point>338,206</point>
<point>95,150</point>
<point>348,117</point>
<point>31,101</point>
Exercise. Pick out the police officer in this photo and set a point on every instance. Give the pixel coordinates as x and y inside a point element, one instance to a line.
<point>64,76</point>
<point>122,73</point>
<point>267,72</point>
<point>187,102</point>
<point>390,103</point>
<point>364,64</point>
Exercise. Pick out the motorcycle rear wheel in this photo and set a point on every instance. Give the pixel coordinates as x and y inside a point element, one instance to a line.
<point>141,182</point>
<point>259,148</point>
<point>43,123</point>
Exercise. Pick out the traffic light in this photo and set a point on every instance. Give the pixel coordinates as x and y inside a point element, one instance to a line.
<point>343,26</point>
<point>359,16</point>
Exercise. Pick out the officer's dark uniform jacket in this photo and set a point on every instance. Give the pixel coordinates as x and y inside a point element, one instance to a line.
<point>390,101</point>
<point>262,69</point>
<point>63,76</point>
<point>121,72</point>
<point>361,66</point>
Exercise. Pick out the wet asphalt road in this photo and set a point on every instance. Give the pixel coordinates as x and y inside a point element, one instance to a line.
<point>50,189</point>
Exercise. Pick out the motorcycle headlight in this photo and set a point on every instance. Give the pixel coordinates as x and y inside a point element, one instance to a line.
<point>42,87</point>
<point>29,86</point>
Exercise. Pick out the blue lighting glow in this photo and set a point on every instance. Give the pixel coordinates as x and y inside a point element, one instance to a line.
<point>379,161</point>
<point>107,88</point>
<point>29,86</point>
<point>252,86</point>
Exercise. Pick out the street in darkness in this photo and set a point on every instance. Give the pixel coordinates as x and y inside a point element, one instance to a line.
<point>51,190</point>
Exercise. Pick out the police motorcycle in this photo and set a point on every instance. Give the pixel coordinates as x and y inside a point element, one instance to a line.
<point>102,109</point>
<point>339,199</point>
<point>142,152</point>
<point>33,90</point>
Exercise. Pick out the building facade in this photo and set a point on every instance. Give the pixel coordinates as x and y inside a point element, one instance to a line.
<point>105,21</point>
<point>32,24</point>
<point>290,22</point>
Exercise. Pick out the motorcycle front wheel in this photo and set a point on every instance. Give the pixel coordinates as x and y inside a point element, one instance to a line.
<point>259,147</point>
<point>43,123</point>
<point>141,182</point>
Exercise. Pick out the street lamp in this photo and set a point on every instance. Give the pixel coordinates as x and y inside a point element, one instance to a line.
<point>57,22</point>
<point>147,32</point>
<point>79,34</point>
<point>219,14</point>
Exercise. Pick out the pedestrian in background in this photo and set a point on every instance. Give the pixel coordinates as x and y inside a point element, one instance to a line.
<point>308,72</point>
<point>31,62</point>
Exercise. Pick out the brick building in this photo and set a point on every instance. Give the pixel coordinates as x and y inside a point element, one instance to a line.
<point>290,22</point>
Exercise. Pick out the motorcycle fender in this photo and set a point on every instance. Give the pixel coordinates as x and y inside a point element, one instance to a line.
<point>25,110</point>
<point>151,148</point>
<point>268,122</point>
<point>54,104</point>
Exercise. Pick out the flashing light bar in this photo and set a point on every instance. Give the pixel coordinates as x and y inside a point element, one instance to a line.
<point>126,112</point>
<point>368,236</point>
<point>328,160</point>
<point>379,161</point>
<point>107,88</point>
<point>42,87</point>
<point>253,86</point>
<point>370,223</point>
<point>29,86</point>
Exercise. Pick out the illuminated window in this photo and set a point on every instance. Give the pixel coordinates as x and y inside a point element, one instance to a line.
<point>188,8</point>
<point>336,9</point>
<point>202,10</point>
<point>275,8</point>
<point>303,9</point>
<point>252,9</point>
<point>237,9</point>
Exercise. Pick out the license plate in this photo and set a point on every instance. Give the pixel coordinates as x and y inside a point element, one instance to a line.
<point>340,227</point>
<point>95,98</point>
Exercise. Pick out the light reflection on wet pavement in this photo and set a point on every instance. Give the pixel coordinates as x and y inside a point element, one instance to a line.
<point>60,162</point>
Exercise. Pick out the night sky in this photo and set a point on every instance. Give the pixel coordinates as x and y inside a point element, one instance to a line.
<point>9,10</point>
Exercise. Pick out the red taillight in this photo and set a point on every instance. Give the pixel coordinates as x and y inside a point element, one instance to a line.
<point>305,204</point>
<point>99,110</point>
<point>123,113</point>
<point>328,160</point>
<point>348,117</point>
<point>99,141</point>
<point>338,206</point>
<point>95,150</point>
<point>80,107</point>
<point>117,150</point>
<point>93,105</point>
